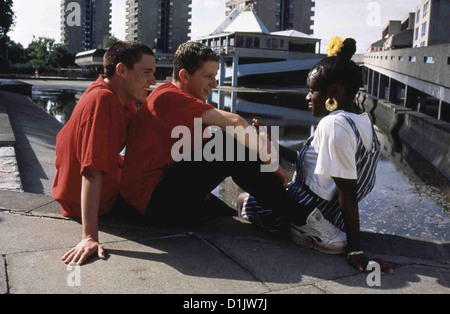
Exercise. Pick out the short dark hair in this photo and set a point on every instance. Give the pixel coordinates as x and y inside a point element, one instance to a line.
<point>190,56</point>
<point>340,68</point>
<point>126,52</point>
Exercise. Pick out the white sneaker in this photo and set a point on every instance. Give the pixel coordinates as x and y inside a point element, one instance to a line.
<point>320,234</point>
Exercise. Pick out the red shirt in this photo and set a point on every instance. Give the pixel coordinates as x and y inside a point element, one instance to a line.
<point>150,142</point>
<point>92,139</point>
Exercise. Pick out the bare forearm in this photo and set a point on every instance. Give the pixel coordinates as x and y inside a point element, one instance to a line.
<point>236,126</point>
<point>348,202</point>
<point>351,217</point>
<point>90,203</point>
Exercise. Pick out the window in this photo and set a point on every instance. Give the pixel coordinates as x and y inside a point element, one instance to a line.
<point>412,59</point>
<point>417,33</point>
<point>256,42</point>
<point>418,16</point>
<point>422,44</point>
<point>429,60</point>
<point>425,9</point>
<point>424,29</point>
<point>239,41</point>
<point>248,42</point>
<point>273,43</point>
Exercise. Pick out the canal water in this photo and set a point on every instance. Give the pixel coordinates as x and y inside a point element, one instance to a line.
<point>410,198</point>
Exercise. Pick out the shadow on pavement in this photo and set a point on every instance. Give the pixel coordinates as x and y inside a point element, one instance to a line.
<point>273,260</point>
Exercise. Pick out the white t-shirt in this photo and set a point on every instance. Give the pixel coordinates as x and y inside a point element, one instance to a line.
<point>332,152</point>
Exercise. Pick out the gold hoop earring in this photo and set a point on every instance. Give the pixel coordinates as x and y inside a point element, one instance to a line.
<point>331,104</point>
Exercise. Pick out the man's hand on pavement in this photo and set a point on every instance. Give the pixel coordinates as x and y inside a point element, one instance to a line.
<point>86,248</point>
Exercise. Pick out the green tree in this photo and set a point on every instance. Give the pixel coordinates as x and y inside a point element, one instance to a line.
<point>7,17</point>
<point>59,57</point>
<point>39,52</point>
<point>17,53</point>
<point>109,40</point>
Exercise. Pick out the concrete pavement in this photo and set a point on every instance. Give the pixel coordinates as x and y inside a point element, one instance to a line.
<point>222,256</point>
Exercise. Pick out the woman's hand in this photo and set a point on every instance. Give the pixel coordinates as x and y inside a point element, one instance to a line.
<point>282,176</point>
<point>263,133</point>
<point>360,262</point>
<point>83,251</point>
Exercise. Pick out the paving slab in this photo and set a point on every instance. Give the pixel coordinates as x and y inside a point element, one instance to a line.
<point>417,249</point>
<point>3,280</point>
<point>19,233</point>
<point>237,227</point>
<point>300,290</point>
<point>176,265</point>
<point>35,132</point>
<point>22,202</point>
<point>406,280</point>
<point>52,209</point>
<point>6,133</point>
<point>282,266</point>
<point>9,170</point>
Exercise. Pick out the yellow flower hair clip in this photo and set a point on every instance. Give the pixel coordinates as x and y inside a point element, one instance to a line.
<point>335,46</point>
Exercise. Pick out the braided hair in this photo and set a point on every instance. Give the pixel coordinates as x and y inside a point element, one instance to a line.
<point>340,68</point>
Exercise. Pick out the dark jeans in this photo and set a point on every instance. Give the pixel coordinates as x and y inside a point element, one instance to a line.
<point>185,185</point>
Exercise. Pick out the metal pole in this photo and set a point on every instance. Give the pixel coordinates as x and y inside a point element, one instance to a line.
<point>406,96</point>
<point>440,109</point>
<point>222,71</point>
<point>234,82</point>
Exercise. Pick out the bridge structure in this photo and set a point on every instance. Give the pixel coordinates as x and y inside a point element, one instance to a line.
<point>232,68</point>
<point>415,78</point>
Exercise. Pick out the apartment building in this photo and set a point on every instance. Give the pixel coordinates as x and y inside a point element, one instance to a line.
<point>432,23</point>
<point>85,23</point>
<point>160,24</point>
<point>280,15</point>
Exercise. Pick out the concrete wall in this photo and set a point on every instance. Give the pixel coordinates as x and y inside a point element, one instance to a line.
<point>399,61</point>
<point>427,136</point>
<point>440,22</point>
<point>430,138</point>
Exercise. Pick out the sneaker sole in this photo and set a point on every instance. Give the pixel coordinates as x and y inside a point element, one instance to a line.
<point>312,245</point>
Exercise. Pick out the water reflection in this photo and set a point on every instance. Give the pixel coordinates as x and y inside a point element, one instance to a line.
<point>288,111</point>
<point>58,103</point>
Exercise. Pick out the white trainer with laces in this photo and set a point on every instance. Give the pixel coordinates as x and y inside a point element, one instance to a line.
<point>320,234</point>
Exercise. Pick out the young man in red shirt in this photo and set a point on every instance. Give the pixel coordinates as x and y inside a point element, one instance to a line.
<point>88,148</point>
<point>162,188</point>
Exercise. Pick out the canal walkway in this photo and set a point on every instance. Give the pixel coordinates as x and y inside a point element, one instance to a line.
<point>225,255</point>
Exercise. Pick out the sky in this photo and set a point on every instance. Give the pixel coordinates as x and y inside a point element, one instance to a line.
<point>362,20</point>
